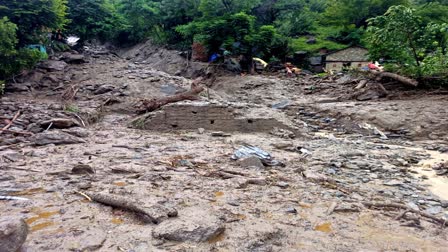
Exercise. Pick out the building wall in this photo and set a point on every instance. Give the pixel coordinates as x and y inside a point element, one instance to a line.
<point>338,66</point>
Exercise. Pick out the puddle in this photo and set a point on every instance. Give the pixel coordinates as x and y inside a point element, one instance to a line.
<point>30,191</point>
<point>41,226</point>
<point>119,183</point>
<point>438,185</point>
<point>219,194</point>
<point>324,227</point>
<point>40,216</point>
<point>217,239</point>
<point>117,221</point>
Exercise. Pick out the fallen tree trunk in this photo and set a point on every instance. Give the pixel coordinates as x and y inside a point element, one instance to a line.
<point>154,214</point>
<point>402,79</point>
<point>156,103</point>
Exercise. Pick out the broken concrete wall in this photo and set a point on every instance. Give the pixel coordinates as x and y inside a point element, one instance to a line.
<point>204,115</point>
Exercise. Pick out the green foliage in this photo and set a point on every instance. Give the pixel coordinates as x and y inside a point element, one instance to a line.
<point>417,48</point>
<point>12,60</point>
<point>94,19</point>
<point>34,17</point>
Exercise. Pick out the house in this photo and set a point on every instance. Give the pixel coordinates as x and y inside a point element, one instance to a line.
<point>354,57</point>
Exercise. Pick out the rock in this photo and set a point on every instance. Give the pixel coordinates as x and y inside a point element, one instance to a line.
<point>83,169</point>
<point>90,240</point>
<point>53,65</point>
<point>104,89</point>
<point>193,225</point>
<point>18,87</point>
<point>412,205</point>
<point>12,156</point>
<point>73,58</point>
<point>291,210</point>
<point>282,184</point>
<point>59,123</point>
<point>57,138</point>
<point>315,177</point>
<point>251,161</point>
<point>434,210</point>
<point>393,182</point>
<point>13,233</point>
<point>201,131</point>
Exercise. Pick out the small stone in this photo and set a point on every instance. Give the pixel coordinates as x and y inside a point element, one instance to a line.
<point>103,89</point>
<point>282,184</point>
<point>201,131</point>
<point>82,169</point>
<point>434,210</point>
<point>251,161</point>
<point>233,202</point>
<point>291,210</point>
<point>13,233</point>
<point>11,156</point>
<point>412,205</point>
<point>393,182</point>
<point>365,180</point>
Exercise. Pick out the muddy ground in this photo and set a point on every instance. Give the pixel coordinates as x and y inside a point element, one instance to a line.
<point>334,156</point>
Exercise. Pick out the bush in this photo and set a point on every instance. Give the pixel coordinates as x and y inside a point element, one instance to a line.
<point>12,61</point>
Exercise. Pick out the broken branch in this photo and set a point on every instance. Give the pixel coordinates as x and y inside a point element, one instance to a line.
<point>402,79</point>
<point>154,104</point>
<point>11,122</point>
<point>407,209</point>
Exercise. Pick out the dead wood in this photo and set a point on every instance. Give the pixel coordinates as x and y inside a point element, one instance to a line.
<point>11,122</point>
<point>18,132</point>
<point>402,79</point>
<point>361,84</point>
<point>406,210</point>
<point>156,103</point>
<point>148,214</point>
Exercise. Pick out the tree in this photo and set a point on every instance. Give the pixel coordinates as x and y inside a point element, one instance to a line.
<point>142,17</point>
<point>12,60</point>
<point>34,17</point>
<point>94,19</point>
<point>400,34</point>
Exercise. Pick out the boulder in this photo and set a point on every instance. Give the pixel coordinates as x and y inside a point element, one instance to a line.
<point>53,65</point>
<point>250,161</point>
<point>104,89</point>
<point>13,233</point>
<point>72,58</point>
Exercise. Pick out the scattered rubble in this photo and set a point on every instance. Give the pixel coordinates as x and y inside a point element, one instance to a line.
<point>356,164</point>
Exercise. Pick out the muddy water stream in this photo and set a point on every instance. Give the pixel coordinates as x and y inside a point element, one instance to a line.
<point>438,185</point>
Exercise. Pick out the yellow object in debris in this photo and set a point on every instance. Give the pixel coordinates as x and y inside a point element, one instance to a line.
<point>261,61</point>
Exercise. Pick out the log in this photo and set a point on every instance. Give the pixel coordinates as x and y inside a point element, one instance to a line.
<point>153,215</point>
<point>402,79</point>
<point>154,104</point>
<point>406,209</point>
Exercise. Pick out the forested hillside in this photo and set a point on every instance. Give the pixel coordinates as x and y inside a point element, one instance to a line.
<point>412,35</point>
